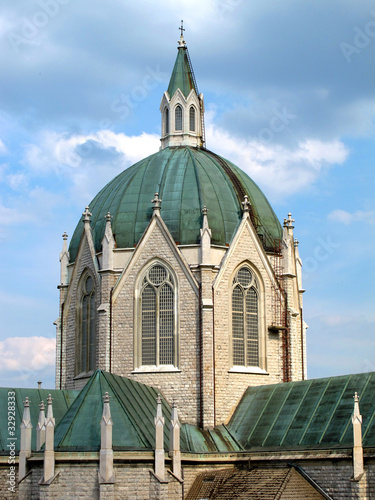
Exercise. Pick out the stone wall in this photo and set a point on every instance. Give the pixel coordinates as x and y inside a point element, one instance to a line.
<point>335,478</point>
<point>84,261</point>
<point>6,492</point>
<point>80,480</point>
<point>181,385</point>
<point>229,385</point>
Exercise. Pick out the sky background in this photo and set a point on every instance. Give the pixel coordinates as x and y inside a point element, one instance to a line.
<point>289,92</point>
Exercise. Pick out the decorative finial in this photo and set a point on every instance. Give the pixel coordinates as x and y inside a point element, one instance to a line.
<point>157,202</point>
<point>106,397</point>
<point>42,406</point>
<point>65,236</point>
<point>289,221</point>
<point>108,217</point>
<point>246,204</point>
<point>181,42</point>
<point>49,399</point>
<point>296,242</point>
<point>204,210</point>
<point>86,215</point>
<point>26,403</point>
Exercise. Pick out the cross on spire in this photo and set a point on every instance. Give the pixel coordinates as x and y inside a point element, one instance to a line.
<point>181,42</point>
<point>181,28</point>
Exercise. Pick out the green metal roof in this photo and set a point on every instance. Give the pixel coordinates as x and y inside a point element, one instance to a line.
<point>182,74</point>
<point>61,402</point>
<point>133,409</point>
<point>310,414</point>
<point>186,179</point>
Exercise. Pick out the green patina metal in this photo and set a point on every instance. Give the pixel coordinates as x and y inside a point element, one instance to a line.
<point>186,179</point>
<point>305,415</point>
<point>312,414</point>
<point>62,400</point>
<point>133,409</point>
<point>182,74</point>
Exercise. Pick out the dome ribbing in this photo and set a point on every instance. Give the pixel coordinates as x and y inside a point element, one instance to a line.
<point>187,179</point>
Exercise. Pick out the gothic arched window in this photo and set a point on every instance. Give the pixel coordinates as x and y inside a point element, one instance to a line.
<point>86,325</point>
<point>245,319</point>
<point>166,121</point>
<point>178,118</point>
<point>192,119</point>
<point>157,318</point>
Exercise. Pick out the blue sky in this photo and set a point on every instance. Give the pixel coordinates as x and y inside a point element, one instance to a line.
<point>290,98</point>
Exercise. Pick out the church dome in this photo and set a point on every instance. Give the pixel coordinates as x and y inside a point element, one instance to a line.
<point>187,179</point>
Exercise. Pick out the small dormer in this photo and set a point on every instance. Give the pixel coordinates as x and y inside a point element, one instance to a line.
<point>182,107</point>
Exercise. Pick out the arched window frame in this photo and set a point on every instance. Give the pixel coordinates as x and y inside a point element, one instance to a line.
<point>166,121</point>
<point>86,324</point>
<point>192,119</point>
<point>141,283</point>
<point>178,118</point>
<point>256,285</point>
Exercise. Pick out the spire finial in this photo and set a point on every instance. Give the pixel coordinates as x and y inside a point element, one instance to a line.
<point>246,204</point>
<point>108,217</point>
<point>86,214</point>
<point>181,42</point>
<point>65,236</point>
<point>289,221</point>
<point>156,202</point>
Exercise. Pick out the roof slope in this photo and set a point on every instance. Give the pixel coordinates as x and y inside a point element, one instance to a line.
<point>310,414</point>
<point>133,409</point>
<point>62,400</point>
<point>186,179</point>
<point>182,74</point>
<point>267,483</point>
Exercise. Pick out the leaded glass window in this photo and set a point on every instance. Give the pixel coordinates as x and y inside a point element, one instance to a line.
<point>158,317</point>
<point>192,119</point>
<point>245,319</point>
<point>178,118</point>
<point>86,339</point>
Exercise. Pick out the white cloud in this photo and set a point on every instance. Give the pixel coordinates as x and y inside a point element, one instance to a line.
<point>56,151</point>
<point>27,353</point>
<point>3,148</point>
<point>347,218</point>
<point>87,161</point>
<point>18,182</point>
<point>280,169</point>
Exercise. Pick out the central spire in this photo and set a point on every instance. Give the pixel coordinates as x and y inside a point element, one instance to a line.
<point>182,106</point>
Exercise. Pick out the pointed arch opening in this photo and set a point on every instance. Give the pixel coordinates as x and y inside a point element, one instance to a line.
<point>192,119</point>
<point>166,121</point>
<point>156,336</point>
<point>246,324</point>
<point>86,338</point>
<point>178,118</point>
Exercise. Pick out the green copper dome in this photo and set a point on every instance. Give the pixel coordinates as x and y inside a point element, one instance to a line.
<point>187,179</point>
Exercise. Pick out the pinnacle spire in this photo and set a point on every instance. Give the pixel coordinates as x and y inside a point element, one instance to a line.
<point>182,75</point>
<point>182,106</point>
